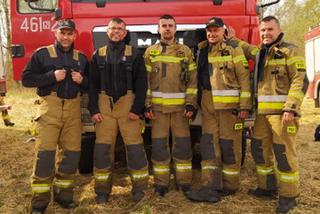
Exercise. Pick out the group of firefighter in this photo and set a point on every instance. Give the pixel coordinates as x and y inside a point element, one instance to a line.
<point>166,86</point>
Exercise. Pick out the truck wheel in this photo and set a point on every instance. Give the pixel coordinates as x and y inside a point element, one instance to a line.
<point>244,145</point>
<point>86,155</point>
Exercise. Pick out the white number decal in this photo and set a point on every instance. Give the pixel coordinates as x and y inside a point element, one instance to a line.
<point>37,24</point>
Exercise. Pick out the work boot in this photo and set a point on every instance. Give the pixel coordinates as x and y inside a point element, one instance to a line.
<point>137,196</point>
<point>8,122</point>
<point>226,192</point>
<point>38,210</point>
<point>161,190</point>
<point>185,188</point>
<point>285,204</point>
<point>66,204</point>
<point>204,194</point>
<point>102,198</point>
<point>262,193</point>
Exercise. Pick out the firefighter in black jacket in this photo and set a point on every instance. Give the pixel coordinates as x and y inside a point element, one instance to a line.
<point>117,91</point>
<point>59,73</point>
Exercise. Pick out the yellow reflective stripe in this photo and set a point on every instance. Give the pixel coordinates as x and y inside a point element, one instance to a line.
<point>172,59</point>
<point>288,177</point>
<point>254,51</point>
<point>263,170</point>
<point>296,94</point>
<point>149,68</point>
<point>161,169</point>
<point>270,105</point>
<point>208,167</point>
<point>40,188</point>
<point>182,167</point>
<point>241,58</point>
<point>6,117</point>
<point>245,94</point>
<point>102,176</point>
<point>230,172</point>
<point>192,91</point>
<point>168,101</point>
<point>299,62</point>
<point>213,59</point>
<point>63,183</point>
<point>136,175</point>
<point>291,129</point>
<point>241,43</point>
<point>192,67</point>
<point>225,99</point>
<point>149,92</point>
<point>277,62</point>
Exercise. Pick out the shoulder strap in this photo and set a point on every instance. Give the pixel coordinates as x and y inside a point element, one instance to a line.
<point>52,51</point>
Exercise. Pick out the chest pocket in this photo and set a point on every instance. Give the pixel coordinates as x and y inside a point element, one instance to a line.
<point>280,75</point>
<point>227,69</point>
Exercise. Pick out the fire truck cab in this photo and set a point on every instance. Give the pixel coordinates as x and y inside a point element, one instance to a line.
<point>312,50</point>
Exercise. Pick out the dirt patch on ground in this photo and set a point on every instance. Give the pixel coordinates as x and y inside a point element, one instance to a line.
<point>16,159</point>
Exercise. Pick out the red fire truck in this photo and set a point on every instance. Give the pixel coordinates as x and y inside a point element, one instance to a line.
<point>312,47</point>
<point>32,24</point>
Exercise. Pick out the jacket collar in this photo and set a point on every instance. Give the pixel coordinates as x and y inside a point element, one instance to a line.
<point>58,46</point>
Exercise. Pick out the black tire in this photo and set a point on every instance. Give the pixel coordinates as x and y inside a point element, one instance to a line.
<point>244,145</point>
<point>86,155</point>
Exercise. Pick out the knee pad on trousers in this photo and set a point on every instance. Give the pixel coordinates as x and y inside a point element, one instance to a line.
<point>45,163</point>
<point>228,156</point>
<point>282,161</point>
<point>70,161</point>
<point>159,149</point>
<point>206,147</point>
<point>182,149</point>
<point>136,157</point>
<point>271,182</point>
<point>102,155</point>
<point>256,151</point>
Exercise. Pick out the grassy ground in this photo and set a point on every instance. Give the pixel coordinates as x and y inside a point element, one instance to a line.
<point>16,158</point>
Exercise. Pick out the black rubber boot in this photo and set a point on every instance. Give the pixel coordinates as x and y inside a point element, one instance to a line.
<point>285,204</point>
<point>38,210</point>
<point>227,192</point>
<point>204,194</point>
<point>66,204</point>
<point>137,196</point>
<point>262,193</point>
<point>161,190</point>
<point>185,188</point>
<point>102,198</point>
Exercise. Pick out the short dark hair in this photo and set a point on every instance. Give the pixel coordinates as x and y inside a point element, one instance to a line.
<point>117,20</point>
<point>270,18</point>
<point>167,16</point>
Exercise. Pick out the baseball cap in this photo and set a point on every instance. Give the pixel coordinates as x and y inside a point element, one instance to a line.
<point>215,22</point>
<point>66,24</point>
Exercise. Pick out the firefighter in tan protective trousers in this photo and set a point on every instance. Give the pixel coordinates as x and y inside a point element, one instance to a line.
<point>117,91</point>
<point>226,99</point>
<point>59,73</point>
<point>279,89</point>
<point>171,102</point>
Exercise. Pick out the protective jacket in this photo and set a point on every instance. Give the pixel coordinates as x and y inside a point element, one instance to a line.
<point>172,81</point>
<point>115,69</point>
<point>223,70</point>
<point>279,78</point>
<point>39,72</point>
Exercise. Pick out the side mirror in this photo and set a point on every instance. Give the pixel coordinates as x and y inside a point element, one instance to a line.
<point>57,14</point>
<point>100,3</point>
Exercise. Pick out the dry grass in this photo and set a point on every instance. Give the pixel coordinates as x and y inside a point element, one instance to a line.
<point>16,159</point>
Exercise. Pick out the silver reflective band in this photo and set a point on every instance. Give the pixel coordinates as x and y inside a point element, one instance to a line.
<point>183,167</point>
<point>140,175</point>
<point>272,98</point>
<point>209,167</point>
<point>231,172</point>
<point>161,169</point>
<point>168,95</point>
<point>40,188</point>
<point>225,92</point>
